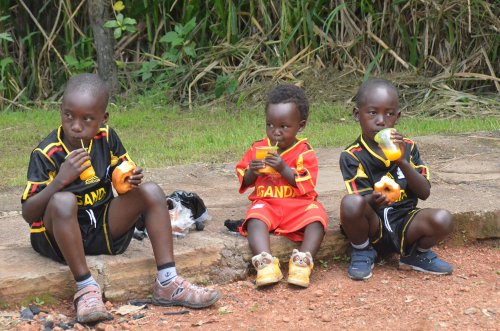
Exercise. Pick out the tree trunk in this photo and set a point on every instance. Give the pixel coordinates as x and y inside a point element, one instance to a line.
<point>104,43</point>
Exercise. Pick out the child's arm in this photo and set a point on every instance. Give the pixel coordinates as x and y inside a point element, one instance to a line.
<point>417,182</point>
<point>34,207</point>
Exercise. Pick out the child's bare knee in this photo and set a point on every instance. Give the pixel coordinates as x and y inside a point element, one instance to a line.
<point>152,193</point>
<point>63,202</point>
<point>352,203</point>
<point>443,221</point>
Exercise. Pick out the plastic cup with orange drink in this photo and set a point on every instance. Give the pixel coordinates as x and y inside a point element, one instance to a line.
<point>391,150</point>
<point>260,154</point>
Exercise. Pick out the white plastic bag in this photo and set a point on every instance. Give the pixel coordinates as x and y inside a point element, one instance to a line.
<point>181,218</point>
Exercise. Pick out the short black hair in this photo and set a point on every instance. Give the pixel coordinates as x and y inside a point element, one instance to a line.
<point>288,93</point>
<point>371,83</point>
<point>91,83</point>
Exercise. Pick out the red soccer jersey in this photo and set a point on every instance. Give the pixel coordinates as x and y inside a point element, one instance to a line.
<point>300,158</point>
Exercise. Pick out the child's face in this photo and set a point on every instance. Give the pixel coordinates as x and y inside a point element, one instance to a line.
<point>82,114</point>
<point>379,110</point>
<point>283,122</point>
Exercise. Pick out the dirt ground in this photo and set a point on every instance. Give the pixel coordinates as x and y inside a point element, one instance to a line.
<point>392,299</point>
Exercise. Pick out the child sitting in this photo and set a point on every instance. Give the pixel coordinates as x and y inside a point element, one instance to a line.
<point>370,218</point>
<point>71,217</point>
<point>283,200</point>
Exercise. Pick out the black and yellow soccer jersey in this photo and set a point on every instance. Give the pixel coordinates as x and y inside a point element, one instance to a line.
<point>106,152</point>
<point>361,168</point>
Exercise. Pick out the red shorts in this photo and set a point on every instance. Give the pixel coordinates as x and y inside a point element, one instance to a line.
<point>286,217</point>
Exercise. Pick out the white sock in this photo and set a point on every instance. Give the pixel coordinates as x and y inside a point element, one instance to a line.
<point>361,246</point>
<point>85,283</point>
<point>167,275</point>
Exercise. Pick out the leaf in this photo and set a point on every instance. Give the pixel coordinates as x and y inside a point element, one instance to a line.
<point>4,62</point>
<point>224,310</point>
<point>189,26</point>
<point>119,6</point>
<point>190,51</point>
<point>71,60</point>
<point>119,18</point>
<point>129,21</point>
<point>129,309</point>
<point>117,33</point>
<point>111,24</point>
<point>130,28</point>
<point>169,37</point>
<point>5,36</point>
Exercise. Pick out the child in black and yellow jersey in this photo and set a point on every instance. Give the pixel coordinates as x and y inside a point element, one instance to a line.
<point>71,216</point>
<point>368,218</point>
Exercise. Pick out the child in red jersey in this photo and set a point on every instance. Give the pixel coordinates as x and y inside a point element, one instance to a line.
<point>283,201</point>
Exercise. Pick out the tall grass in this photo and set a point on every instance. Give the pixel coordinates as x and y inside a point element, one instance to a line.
<point>157,136</point>
<point>235,44</point>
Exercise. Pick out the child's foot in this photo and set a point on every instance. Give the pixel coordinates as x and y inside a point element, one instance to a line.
<point>89,305</point>
<point>362,261</point>
<point>299,268</point>
<point>268,269</point>
<point>180,292</point>
<point>426,262</point>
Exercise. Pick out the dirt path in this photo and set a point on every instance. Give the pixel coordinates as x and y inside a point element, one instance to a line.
<point>393,299</point>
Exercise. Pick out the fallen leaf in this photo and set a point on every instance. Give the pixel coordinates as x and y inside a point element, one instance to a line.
<point>128,309</point>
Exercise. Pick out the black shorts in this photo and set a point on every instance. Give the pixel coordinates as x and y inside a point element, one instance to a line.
<point>393,226</point>
<point>96,237</point>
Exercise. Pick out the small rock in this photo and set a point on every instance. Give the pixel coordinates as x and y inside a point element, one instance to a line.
<point>62,317</point>
<point>104,327</point>
<point>108,305</point>
<point>26,314</point>
<point>49,324</point>
<point>125,326</point>
<point>78,327</point>
<point>465,289</point>
<point>57,328</point>
<point>35,310</point>
<point>318,293</point>
<point>470,311</point>
<point>138,316</point>
<point>326,318</point>
<point>64,326</point>
<point>286,319</point>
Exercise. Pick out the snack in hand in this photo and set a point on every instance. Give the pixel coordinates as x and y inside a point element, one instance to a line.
<point>121,175</point>
<point>388,187</point>
<point>87,173</point>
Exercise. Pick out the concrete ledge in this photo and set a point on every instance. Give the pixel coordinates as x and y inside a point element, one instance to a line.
<point>204,257</point>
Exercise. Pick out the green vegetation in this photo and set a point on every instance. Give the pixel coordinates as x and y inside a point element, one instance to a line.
<point>39,300</point>
<point>216,48</point>
<point>158,137</point>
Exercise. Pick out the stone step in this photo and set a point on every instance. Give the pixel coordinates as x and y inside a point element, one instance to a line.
<point>205,257</point>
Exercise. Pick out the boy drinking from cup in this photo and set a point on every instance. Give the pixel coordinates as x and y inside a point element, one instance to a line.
<point>284,196</point>
<point>371,220</point>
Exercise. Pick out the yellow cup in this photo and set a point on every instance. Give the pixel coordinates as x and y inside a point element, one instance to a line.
<point>87,173</point>
<point>391,151</point>
<point>260,154</point>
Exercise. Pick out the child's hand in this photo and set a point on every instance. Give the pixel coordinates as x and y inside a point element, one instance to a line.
<point>136,178</point>
<point>379,199</point>
<point>255,165</point>
<point>71,168</point>
<point>275,161</point>
<point>397,138</point>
